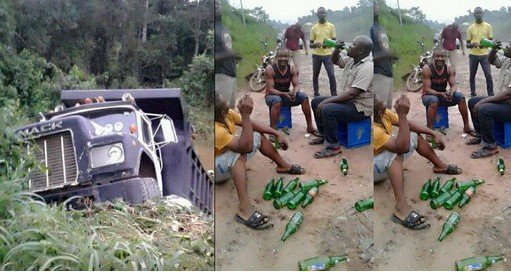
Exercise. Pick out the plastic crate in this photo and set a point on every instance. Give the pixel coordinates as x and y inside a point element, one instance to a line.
<point>441,119</point>
<point>502,132</point>
<point>285,120</point>
<point>354,134</point>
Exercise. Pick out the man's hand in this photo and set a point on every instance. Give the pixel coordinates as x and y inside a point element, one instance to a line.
<point>283,141</point>
<point>446,95</point>
<point>474,44</point>
<point>402,105</point>
<point>245,105</point>
<point>439,141</point>
<point>291,96</point>
<point>316,44</point>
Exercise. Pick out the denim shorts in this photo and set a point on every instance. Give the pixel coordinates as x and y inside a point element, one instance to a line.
<point>429,99</point>
<point>225,161</point>
<point>272,99</point>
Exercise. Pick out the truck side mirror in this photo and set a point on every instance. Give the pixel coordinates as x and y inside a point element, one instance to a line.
<point>168,130</point>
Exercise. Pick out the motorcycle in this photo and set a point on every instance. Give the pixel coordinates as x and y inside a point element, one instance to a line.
<point>257,81</point>
<point>413,79</point>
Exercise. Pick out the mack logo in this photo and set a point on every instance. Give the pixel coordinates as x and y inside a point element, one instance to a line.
<point>41,129</point>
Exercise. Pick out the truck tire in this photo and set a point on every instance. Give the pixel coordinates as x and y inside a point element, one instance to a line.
<point>150,189</point>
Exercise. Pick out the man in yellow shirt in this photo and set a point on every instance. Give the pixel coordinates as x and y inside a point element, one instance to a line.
<point>390,153</point>
<point>232,153</point>
<point>478,54</point>
<point>321,55</point>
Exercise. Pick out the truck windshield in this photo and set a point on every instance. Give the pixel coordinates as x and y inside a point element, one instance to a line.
<point>111,120</point>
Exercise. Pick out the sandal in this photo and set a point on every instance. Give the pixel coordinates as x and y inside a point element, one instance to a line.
<point>483,153</point>
<point>327,152</point>
<point>471,133</point>
<point>294,170</point>
<point>256,221</point>
<point>473,141</point>
<point>452,169</point>
<point>315,133</point>
<point>317,141</point>
<point>412,221</point>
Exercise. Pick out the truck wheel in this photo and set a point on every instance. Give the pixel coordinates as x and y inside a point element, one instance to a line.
<point>150,189</point>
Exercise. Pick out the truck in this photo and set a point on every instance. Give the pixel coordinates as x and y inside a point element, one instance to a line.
<point>135,145</point>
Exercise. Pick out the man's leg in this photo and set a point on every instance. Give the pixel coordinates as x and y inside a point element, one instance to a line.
<point>303,100</point>
<point>275,103</point>
<point>473,63</point>
<point>397,181</point>
<point>452,59</point>
<point>296,62</point>
<point>239,177</point>
<point>459,99</point>
<point>488,114</point>
<point>329,66</point>
<point>317,115</point>
<point>316,67</point>
<point>268,150</point>
<point>426,151</point>
<point>431,103</point>
<point>485,64</point>
<point>475,120</point>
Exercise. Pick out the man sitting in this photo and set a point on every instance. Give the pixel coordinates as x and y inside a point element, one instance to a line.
<point>486,110</point>
<point>435,77</point>
<point>232,153</point>
<point>279,77</point>
<point>355,101</point>
<point>391,151</point>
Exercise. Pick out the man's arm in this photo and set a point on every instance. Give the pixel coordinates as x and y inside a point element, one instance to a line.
<point>337,58</point>
<point>492,57</point>
<point>501,97</point>
<point>401,143</point>
<point>345,96</point>
<point>294,79</point>
<point>245,142</point>
<point>452,80</point>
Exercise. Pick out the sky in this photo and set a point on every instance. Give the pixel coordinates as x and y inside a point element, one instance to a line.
<point>288,11</point>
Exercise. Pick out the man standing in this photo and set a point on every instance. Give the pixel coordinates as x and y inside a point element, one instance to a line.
<point>478,54</point>
<point>354,103</point>
<point>382,58</point>
<point>448,40</point>
<point>292,38</point>
<point>225,67</point>
<point>321,55</point>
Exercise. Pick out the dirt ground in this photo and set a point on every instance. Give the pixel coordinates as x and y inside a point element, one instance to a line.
<point>485,225</point>
<point>331,226</point>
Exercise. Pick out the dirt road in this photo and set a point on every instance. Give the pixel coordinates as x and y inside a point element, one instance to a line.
<point>331,225</point>
<point>485,225</point>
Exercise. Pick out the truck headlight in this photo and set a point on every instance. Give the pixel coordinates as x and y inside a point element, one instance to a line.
<point>107,155</point>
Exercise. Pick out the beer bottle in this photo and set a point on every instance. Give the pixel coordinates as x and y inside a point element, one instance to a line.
<point>486,43</point>
<point>424,195</point>
<point>277,189</point>
<point>281,202</point>
<point>447,186</point>
<point>439,201</point>
<point>501,167</point>
<point>344,166</point>
<point>296,200</point>
<point>277,143</point>
<point>311,194</point>
<point>321,263</point>
<point>305,186</point>
<point>433,143</point>
<point>467,196</point>
<point>330,43</point>
<point>290,186</point>
<point>267,195</point>
<point>465,184</point>
<point>449,225</point>
<point>293,225</point>
<point>364,204</point>
<point>435,187</point>
<point>478,263</point>
<point>453,200</point>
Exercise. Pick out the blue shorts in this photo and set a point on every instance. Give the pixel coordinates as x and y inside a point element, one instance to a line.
<point>272,99</point>
<point>429,99</point>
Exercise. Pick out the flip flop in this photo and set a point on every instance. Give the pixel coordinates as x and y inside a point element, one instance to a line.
<point>316,134</point>
<point>317,141</point>
<point>256,221</point>
<point>326,153</point>
<point>483,153</point>
<point>473,141</point>
<point>452,169</point>
<point>412,221</point>
<point>294,170</point>
<point>471,133</point>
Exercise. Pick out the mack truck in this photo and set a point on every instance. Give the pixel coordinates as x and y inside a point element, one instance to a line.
<point>134,149</point>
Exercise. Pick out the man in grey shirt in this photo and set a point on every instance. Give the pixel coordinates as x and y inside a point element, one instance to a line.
<point>355,101</point>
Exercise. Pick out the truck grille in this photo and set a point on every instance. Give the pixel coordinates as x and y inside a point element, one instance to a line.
<point>57,162</point>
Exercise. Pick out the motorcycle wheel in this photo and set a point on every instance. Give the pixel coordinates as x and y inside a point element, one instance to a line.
<point>411,84</point>
<point>257,82</point>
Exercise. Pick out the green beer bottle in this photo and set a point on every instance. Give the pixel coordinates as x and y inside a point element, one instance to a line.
<point>267,195</point>
<point>465,184</point>
<point>364,204</point>
<point>277,189</point>
<point>321,263</point>
<point>433,143</point>
<point>501,167</point>
<point>313,183</point>
<point>453,200</point>
<point>447,186</point>
<point>311,194</point>
<point>478,263</point>
<point>486,43</point>
<point>296,200</point>
<point>293,225</point>
<point>439,201</point>
<point>330,43</point>
<point>290,186</point>
<point>425,190</point>
<point>467,196</point>
<point>281,202</point>
<point>277,143</point>
<point>435,187</point>
<point>344,166</point>
<point>449,225</point>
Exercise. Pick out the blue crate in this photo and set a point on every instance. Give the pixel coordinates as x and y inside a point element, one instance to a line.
<point>354,134</point>
<point>442,118</point>
<point>285,120</point>
<point>502,132</point>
